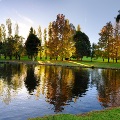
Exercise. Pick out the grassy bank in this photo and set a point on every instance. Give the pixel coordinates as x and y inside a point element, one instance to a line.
<point>96,63</point>
<point>109,114</point>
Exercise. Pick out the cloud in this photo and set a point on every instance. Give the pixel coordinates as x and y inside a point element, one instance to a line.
<point>25,18</point>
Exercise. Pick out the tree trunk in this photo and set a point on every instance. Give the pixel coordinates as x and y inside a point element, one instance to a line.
<point>91,59</point>
<point>108,59</point>
<point>113,60</point>
<point>40,55</point>
<point>103,59</point>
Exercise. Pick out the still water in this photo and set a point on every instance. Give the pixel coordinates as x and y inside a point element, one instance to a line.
<point>28,91</point>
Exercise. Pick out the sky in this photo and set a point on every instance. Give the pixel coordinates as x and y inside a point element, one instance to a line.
<point>91,15</point>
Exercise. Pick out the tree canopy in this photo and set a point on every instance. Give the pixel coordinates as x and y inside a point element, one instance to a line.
<point>82,45</point>
<point>32,44</point>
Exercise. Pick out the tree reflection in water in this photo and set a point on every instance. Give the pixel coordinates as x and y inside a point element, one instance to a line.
<point>11,80</point>
<point>59,85</point>
<point>108,85</point>
<point>31,80</point>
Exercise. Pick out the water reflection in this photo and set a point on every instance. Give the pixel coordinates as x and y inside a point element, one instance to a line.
<point>61,86</point>
<point>31,81</point>
<point>107,82</point>
<point>81,82</point>
<point>11,80</point>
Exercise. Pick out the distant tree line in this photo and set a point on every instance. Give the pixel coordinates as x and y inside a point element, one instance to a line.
<point>10,45</point>
<point>108,46</point>
<point>61,40</point>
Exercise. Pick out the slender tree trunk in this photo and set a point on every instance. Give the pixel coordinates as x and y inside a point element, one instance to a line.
<point>5,56</point>
<point>113,60</point>
<point>46,54</point>
<point>108,59</point>
<point>40,55</point>
<point>19,57</point>
<point>103,59</point>
<point>91,59</point>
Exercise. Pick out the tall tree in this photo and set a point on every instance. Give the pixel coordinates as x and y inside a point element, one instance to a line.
<point>116,44</point>
<point>18,46</point>
<point>82,44</point>
<point>9,25</point>
<point>45,42</point>
<point>16,29</point>
<point>39,34</point>
<point>0,41</point>
<point>78,28</point>
<point>93,47</point>
<point>32,44</point>
<point>53,41</point>
<point>106,36</point>
<point>3,32</point>
<point>60,42</point>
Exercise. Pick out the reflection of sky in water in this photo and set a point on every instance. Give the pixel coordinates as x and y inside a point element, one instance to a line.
<point>58,90</point>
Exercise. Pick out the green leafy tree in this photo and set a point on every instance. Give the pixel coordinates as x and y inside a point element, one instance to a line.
<point>18,46</point>
<point>32,44</point>
<point>93,48</point>
<point>82,45</point>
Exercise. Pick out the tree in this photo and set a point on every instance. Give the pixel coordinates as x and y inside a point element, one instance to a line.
<point>9,25</point>
<point>45,42</point>
<point>39,34</point>
<point>18,46</point>
<point>116,38</point>
<point>16,29</point>
<point>93,47</point>
<point>78,28</point>
<point>106,36</point>
<point>3,32</point>
<point>82,45</point>
<point>0,41</point>
<point>60,41</point>
<point>67,44</point>
<point>10,47</point>
<point>53,41</point>
<point>32,44</point>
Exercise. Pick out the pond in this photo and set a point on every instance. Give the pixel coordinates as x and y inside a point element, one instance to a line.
<point>28,91</point>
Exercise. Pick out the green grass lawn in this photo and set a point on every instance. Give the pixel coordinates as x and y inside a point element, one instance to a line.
<point>111,114</point>
<point>86,62</point>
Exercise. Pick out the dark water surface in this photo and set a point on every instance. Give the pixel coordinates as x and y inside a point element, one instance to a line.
<point>28,91</point>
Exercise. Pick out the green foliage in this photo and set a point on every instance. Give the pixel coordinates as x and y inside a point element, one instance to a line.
<point>82,44</point>
<point>32,44</point>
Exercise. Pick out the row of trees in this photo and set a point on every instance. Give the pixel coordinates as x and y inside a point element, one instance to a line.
<point>61,40</point>
<point>108,45</point>
<point>10,45</point>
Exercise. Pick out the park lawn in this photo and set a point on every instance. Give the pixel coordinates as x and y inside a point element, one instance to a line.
<point>108,114</point>
<point>86,62</point>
